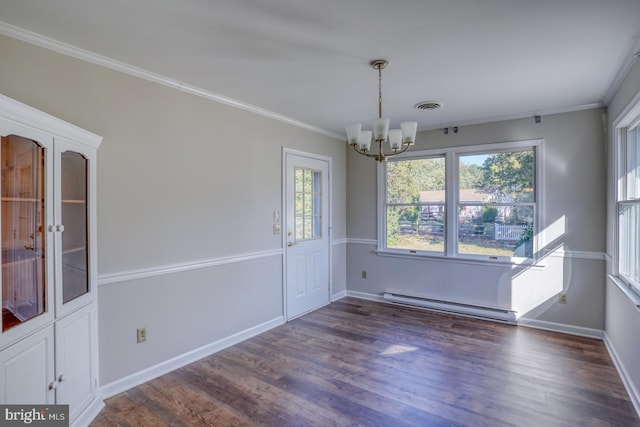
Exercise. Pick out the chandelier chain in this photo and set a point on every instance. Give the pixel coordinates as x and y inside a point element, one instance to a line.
<point>379,92</point>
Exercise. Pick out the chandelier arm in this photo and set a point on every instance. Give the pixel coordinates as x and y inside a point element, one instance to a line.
<point>383,156</point>
<point>364,152</point>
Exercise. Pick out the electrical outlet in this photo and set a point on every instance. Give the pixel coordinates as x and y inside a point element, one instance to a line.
<point>276,228</point>
<point>142,335</point>
<point>364,274</point>
<point>562,299</point>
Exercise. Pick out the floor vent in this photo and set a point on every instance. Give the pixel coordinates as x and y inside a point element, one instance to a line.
<point>486,313</point>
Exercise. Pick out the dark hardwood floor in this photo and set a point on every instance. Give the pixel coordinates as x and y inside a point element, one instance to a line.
<point>361,363</point>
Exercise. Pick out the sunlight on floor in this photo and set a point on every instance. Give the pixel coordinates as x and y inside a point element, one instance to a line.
<point>398,349</point>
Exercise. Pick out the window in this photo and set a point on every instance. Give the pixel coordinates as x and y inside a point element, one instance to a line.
<point>474,202</point>
<point>629,204</point>
<point>308,206</point>
<point>415,204</point>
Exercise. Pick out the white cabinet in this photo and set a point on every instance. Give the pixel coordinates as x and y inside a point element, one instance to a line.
<point>27,370</point>
<point>48,334</point>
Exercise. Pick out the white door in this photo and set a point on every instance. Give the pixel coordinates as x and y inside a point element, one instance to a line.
<point>307,233</point>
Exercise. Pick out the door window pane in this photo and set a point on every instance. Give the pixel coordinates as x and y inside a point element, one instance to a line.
<point>308,205</point>
<point>75,279</point>
<point>23,240</point>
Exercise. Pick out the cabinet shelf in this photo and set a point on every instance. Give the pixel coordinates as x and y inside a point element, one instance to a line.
<point>74,202</point>
<point>74,250</point>
<point>21,199</point>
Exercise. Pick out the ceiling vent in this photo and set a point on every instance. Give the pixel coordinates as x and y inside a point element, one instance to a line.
<point>428,105</point>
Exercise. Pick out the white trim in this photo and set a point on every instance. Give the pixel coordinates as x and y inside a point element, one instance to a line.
<point>628,117</point>
<point>90,413</point>
<point>598,256</point>
<point>103,61</point>
<point>338,296</point>
<point>624,375</point>
<point>561,327</point>
<point>337,242</point>
<point>167,366</point>
<point>601,256</point>
<point>622,74</point>
<point>354,241</point>
<point>625,289</point>
<point>365,295</point>
<point>106,279</point>
<point>461,259</point>
<point>25,115</point>
<point>516,116</point>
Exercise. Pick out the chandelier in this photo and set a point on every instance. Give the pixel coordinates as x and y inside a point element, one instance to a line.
<point>399,139</point>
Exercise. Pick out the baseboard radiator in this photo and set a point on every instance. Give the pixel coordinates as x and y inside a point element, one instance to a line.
<point>486,313</point>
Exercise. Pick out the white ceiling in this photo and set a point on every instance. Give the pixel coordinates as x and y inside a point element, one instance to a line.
<point>308,60</point>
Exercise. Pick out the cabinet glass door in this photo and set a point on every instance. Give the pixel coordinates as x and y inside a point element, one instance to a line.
<point>23,240</point>
<point>75,278</point>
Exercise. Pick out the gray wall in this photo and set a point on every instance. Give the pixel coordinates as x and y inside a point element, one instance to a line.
<point>574,219</point>
<point>622,316</point>
<point>177,185</point>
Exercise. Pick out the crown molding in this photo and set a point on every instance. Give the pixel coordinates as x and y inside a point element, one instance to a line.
<point>103,61</point>
<point>516,116</point>
<point>623,72</point>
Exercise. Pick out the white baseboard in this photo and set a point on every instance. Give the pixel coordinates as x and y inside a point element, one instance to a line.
<point>89,414</point>
<point>339,295</point>
<point>365,295</point>
<point>561,327</point>
<point>626,380</point>
<point>167,366</point>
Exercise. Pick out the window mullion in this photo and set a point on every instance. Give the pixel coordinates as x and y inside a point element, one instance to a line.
<point>451,204</point>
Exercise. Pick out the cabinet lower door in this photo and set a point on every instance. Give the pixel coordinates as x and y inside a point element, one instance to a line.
<point>27,370</point>
<point>76,349</point>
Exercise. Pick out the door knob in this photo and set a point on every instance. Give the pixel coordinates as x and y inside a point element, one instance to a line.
<point>291,244</point>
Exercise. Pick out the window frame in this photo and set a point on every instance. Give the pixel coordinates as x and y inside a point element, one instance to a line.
<point>628,122</point>
<point>452,155</point>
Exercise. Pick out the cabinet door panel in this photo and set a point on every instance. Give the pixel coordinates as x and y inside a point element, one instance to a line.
<point>75,236</point>
<point>75,360</point>
<point>26,370</point>
<point>27,273</point>
<point>75,268</point>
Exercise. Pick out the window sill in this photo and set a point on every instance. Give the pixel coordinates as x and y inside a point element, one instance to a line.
<point>497,263</point>
<point>626,289</point>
